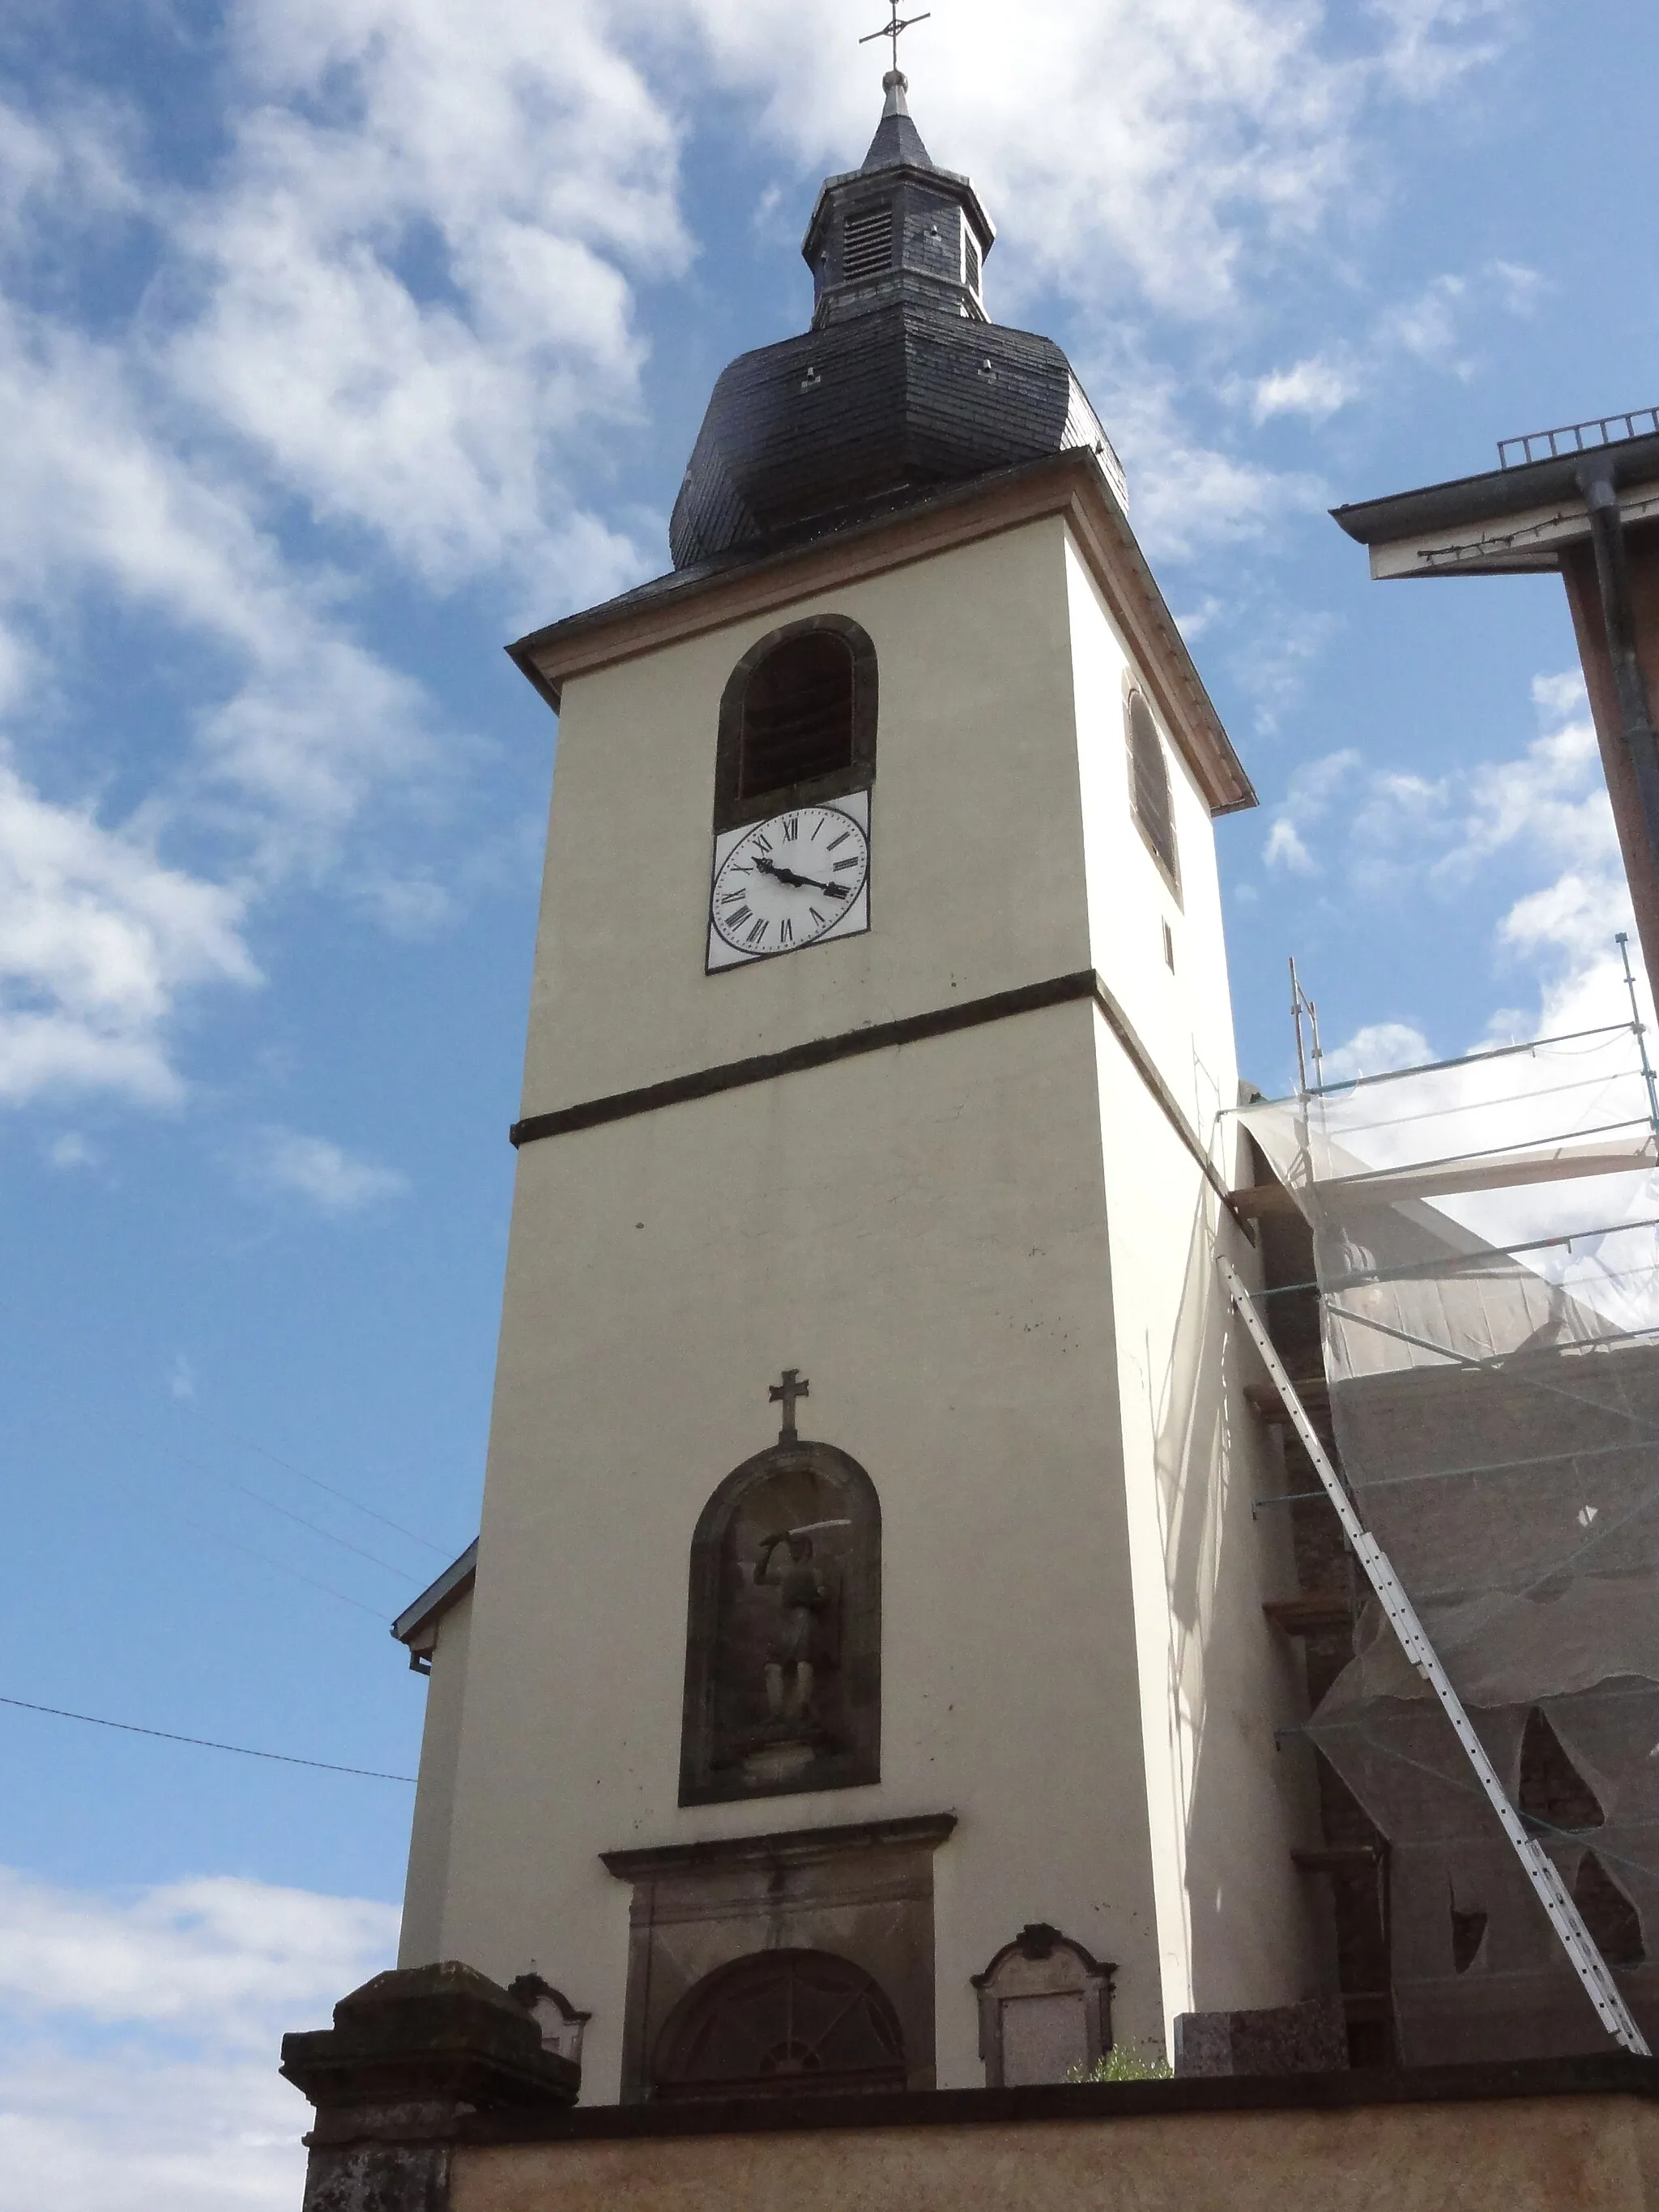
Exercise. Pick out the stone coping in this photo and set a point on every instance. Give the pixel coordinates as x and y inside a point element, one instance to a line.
<point>1614,2073</point>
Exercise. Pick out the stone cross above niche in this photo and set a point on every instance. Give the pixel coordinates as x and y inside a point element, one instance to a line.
<point>783,1643</point>
<point>785,1394</point>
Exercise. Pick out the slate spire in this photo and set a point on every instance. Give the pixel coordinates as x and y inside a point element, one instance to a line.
<point>903,384</point>
<point>898,226</point>
<point>897,139</point>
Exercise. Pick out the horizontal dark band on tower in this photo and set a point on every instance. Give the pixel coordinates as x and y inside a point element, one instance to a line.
<point>877,1036</point>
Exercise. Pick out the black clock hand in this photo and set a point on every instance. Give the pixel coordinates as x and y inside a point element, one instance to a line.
<point>800,883</point>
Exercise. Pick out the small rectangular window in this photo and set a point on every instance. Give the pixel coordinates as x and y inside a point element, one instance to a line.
<point>1168,948</point>
<point>866,246</point>
<point>970,261</point>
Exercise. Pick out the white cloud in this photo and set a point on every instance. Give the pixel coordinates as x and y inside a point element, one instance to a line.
<point>1432,45</point>
<point>1427,327</point>
<point>324,1173</point>
<point>1285,847</point>
<point>139,2033</point>
<point>1553,799</point>
<point>97,940</point>
<point>1548,805</point>
<point>402,299</point>
<point>1431,331</point>
<point>1196,620</point>
<point>1316,387</point>
<point>1306,802</point>
<point>1179,140</point>
<point>100,499</point>
<point>388,336</point>
<point>181,1378</point>
<point>1545,809</point>
<point>1273,662</point>
<point>1184,493</point>
<point>431,218</point>
<point>72,1149</point>
<point>72,159</point>
<point>1374,1049</point>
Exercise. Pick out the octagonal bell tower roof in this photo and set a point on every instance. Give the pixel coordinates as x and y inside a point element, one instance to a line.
<point>901,385</point>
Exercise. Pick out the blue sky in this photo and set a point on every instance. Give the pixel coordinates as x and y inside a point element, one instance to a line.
<point>340,344</point>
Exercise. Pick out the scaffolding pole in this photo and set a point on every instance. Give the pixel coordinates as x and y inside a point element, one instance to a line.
<point>1565,1918</point>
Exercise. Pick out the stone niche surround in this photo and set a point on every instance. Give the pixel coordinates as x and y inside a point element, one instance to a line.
<point>731,1746</point>
<point>863,1892</point>
<point>1045,2010</point>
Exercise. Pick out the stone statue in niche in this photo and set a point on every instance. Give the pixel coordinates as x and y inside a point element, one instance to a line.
<point>783,1644</point>
<point>799,1648</point>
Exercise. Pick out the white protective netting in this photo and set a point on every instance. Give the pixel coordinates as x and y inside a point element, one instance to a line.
<point>1487,1248</point>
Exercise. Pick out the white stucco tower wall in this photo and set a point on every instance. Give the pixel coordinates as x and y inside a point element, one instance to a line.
<point>991,1248</point>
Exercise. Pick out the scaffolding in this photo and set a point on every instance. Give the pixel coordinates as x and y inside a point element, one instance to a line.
<point>1484,1236</point>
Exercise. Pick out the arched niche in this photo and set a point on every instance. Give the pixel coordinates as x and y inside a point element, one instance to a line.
<point>783,1630</point>
<point>777,2023</point>
<point>797,720</point>
<point>1045,2010</point>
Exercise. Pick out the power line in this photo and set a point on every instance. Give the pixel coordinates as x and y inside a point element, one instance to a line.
<point>246,1444</point>
<point>317,1482</point>
<point>248,1551</point>
<point>204,1742</point>
<point>289,1514</point>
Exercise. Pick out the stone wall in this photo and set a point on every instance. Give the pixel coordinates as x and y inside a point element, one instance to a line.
<point>1551,2154</point>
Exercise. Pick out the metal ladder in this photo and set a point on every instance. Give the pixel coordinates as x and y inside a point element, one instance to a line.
<point>1576,1941</point>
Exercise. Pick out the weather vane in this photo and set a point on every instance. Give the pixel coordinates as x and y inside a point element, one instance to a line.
<point>891,30</point>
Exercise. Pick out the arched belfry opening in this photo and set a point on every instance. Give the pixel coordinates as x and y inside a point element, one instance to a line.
<point>778,2023</point>
<point>797,720</point>
<point>1150,797</point>
<point>783,1630</point>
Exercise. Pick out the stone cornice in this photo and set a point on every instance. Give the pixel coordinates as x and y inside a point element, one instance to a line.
<point>1070,485</point>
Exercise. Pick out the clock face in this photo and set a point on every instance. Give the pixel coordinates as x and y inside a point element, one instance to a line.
<point>790,881</point>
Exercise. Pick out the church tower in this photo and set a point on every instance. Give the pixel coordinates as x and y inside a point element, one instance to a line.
<point>861,1677</point>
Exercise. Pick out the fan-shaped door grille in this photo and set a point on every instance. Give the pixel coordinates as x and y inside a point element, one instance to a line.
<point>781,2023</point>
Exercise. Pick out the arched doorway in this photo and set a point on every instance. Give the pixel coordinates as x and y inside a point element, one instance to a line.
<point>777,2024</point>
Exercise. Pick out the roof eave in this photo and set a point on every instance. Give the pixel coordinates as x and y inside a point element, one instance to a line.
<point>1494,492</point>
<point>415,1621</point>
<point>1073,483</point>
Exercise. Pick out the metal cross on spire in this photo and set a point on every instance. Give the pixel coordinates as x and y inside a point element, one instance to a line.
<point>892,30</point>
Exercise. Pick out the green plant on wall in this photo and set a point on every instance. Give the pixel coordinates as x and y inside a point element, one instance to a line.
<point>1126,2062</point>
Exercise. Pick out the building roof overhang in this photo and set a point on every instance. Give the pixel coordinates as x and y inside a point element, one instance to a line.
<point>736,587</point>
<point>1508,521</point>
<point>416,1625</point>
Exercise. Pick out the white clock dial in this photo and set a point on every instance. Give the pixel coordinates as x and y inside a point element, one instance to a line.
<point>789,881</point>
